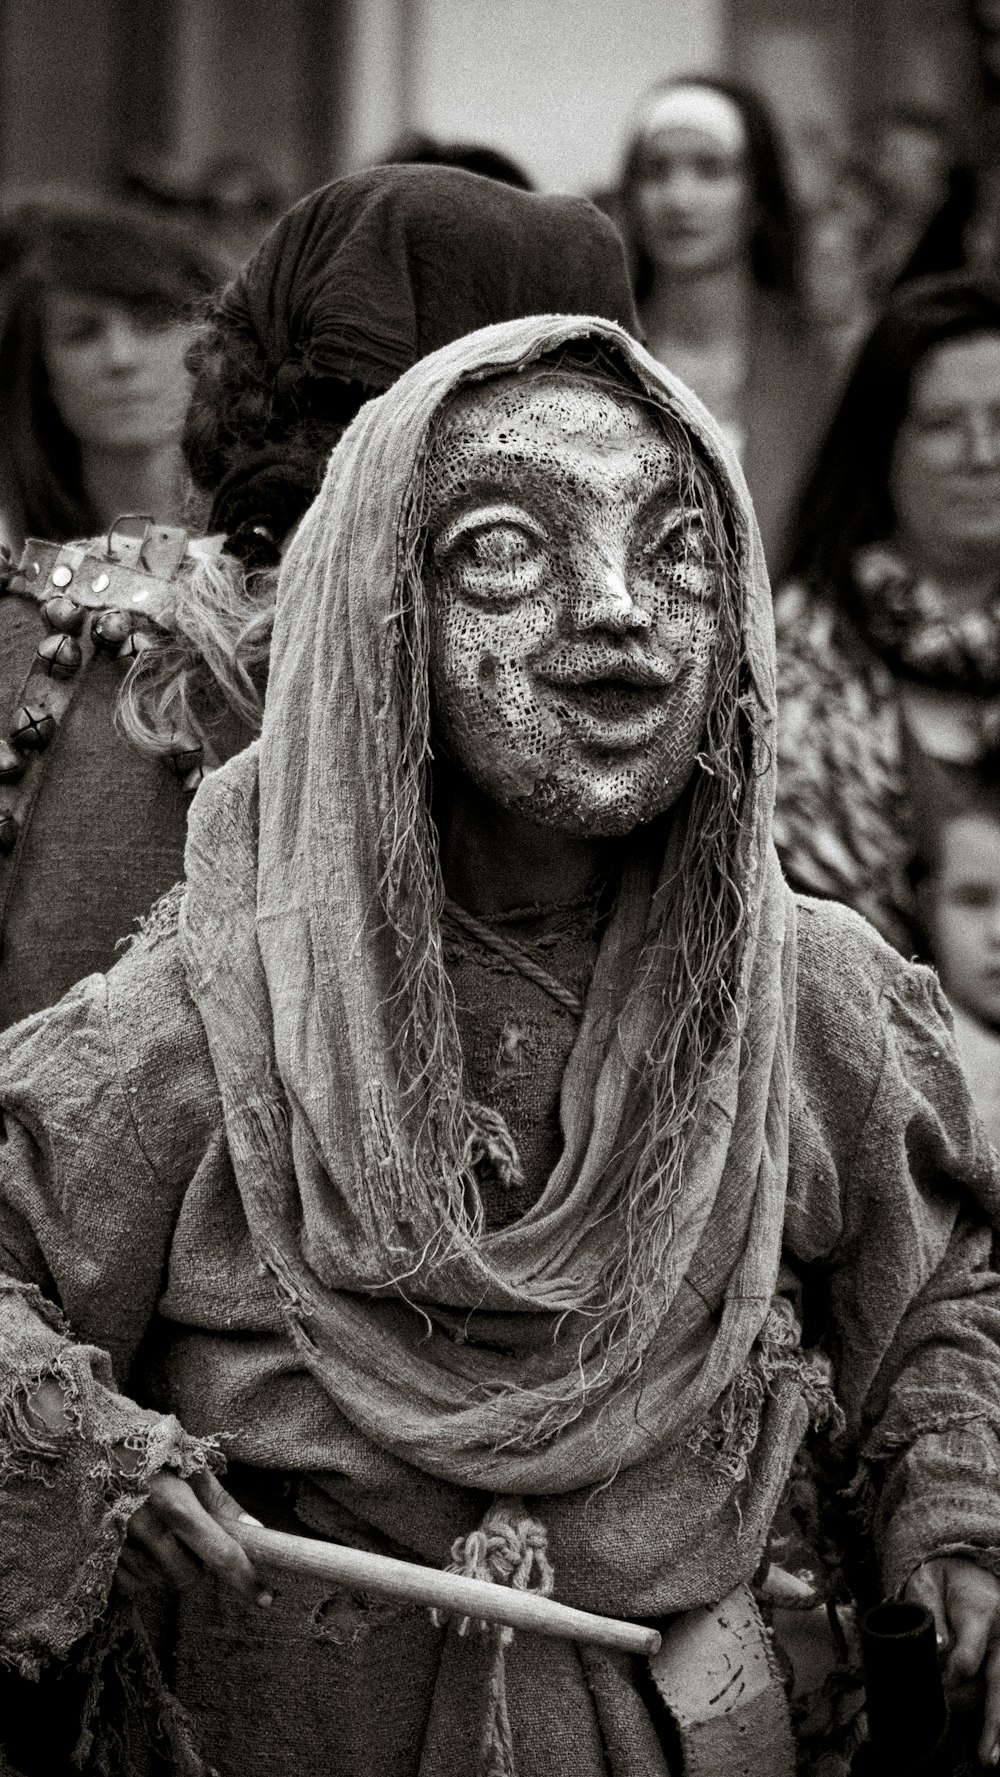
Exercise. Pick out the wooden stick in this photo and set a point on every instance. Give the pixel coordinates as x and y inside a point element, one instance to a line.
<point>448,1592</point>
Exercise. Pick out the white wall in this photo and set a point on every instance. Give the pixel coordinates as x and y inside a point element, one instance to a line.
<point>375,91</point>
<point>550,81</point>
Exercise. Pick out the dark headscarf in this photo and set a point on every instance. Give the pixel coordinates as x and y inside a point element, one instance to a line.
<point>366,276</point>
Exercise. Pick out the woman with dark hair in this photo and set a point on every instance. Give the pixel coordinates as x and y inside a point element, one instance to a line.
<point>706,208</point>
<point>889,629</point>
<point>354,285</point>
<point>96,301</point>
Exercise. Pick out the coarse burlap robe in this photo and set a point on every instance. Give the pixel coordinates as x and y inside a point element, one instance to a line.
<point>301,902</point>
<point>294,966</point>
<point>244,1163</point>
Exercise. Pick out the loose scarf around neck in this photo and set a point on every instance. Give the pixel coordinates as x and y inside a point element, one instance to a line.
<point>311,933</point>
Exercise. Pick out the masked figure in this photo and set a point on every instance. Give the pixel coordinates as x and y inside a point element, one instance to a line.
<point>486,1153</point>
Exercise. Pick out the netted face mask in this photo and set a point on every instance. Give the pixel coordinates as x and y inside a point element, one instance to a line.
<point>573,596</point>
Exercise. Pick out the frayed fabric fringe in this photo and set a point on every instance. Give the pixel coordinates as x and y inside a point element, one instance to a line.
<point>144,1728</point>
<point>160,923</point>
<point>730,1439</point>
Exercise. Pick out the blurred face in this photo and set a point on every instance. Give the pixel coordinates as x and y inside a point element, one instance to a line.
<point>944,474</point>
<point>965,915</point>
<point>573,610</point>
<point>693,190</point>
<point>116,372</point>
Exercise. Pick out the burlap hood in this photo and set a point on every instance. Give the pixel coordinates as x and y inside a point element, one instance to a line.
<point>311,932</point>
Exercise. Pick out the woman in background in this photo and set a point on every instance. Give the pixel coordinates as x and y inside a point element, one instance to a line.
<point>889,628</point>
<point>95,311</point>
<point>958,898</point>
<point>707,211</point>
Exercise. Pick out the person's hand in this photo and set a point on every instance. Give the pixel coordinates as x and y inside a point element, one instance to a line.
<point>180,1533</point>
<point>964,1601</point>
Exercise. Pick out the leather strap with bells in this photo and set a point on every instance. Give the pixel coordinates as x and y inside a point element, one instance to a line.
<point>113,597</point>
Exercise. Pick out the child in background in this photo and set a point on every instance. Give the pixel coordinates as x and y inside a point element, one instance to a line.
<point>961,904</point>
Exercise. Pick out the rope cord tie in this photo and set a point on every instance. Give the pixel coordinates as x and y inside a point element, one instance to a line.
<point>506,947</point>
<point>510,1549</point>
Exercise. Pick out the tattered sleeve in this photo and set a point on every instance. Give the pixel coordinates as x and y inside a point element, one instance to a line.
<point>915,1292</point>
<point>104,1112</point>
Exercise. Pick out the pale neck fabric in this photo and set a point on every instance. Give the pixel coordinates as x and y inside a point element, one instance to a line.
<point>296,972</point>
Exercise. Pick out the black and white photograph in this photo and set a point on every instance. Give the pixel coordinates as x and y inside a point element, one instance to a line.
<point>499,888</point>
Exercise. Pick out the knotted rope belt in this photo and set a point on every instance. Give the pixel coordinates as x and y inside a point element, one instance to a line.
<point>715,1670</point>
<point>509,1549</point>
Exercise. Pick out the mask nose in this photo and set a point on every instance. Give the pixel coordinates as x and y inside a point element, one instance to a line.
<point>605,602</point>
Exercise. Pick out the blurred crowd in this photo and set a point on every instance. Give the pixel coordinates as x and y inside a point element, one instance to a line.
<point>843,329</point>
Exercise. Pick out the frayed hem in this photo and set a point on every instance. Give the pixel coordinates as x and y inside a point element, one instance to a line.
<point>729,1442</point>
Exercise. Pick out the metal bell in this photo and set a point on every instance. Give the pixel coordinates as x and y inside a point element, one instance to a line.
<point>135,644</point>
<point>63,613</point>
<point>8,833</point>
<point>111,629</point>
<point>185,754</point>
<point>61,655</point>
<point>11,764</point>
<point>32,728</point>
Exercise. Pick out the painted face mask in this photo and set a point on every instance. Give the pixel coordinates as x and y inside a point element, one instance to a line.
<point>573,601</point>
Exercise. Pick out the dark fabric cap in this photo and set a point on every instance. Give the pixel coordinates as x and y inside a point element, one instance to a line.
<point>366,276</point>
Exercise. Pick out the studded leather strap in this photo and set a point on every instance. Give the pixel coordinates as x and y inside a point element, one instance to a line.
<point>111,596</point>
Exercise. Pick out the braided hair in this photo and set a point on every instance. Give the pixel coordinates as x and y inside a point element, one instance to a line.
<point>257,437</point>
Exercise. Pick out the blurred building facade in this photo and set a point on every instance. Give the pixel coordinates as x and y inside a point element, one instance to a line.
<point>92,89</point>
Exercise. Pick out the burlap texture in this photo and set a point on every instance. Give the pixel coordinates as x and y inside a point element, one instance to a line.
<point>883,1148</point>
<point>157,1183</point>
<point>293,951</point>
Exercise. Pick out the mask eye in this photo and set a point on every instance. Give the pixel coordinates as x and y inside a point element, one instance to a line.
<point>676,541</point>
<point>673,561</point>
<point>494,555</point>
<point>499,546</point>
<point>673,544</point>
